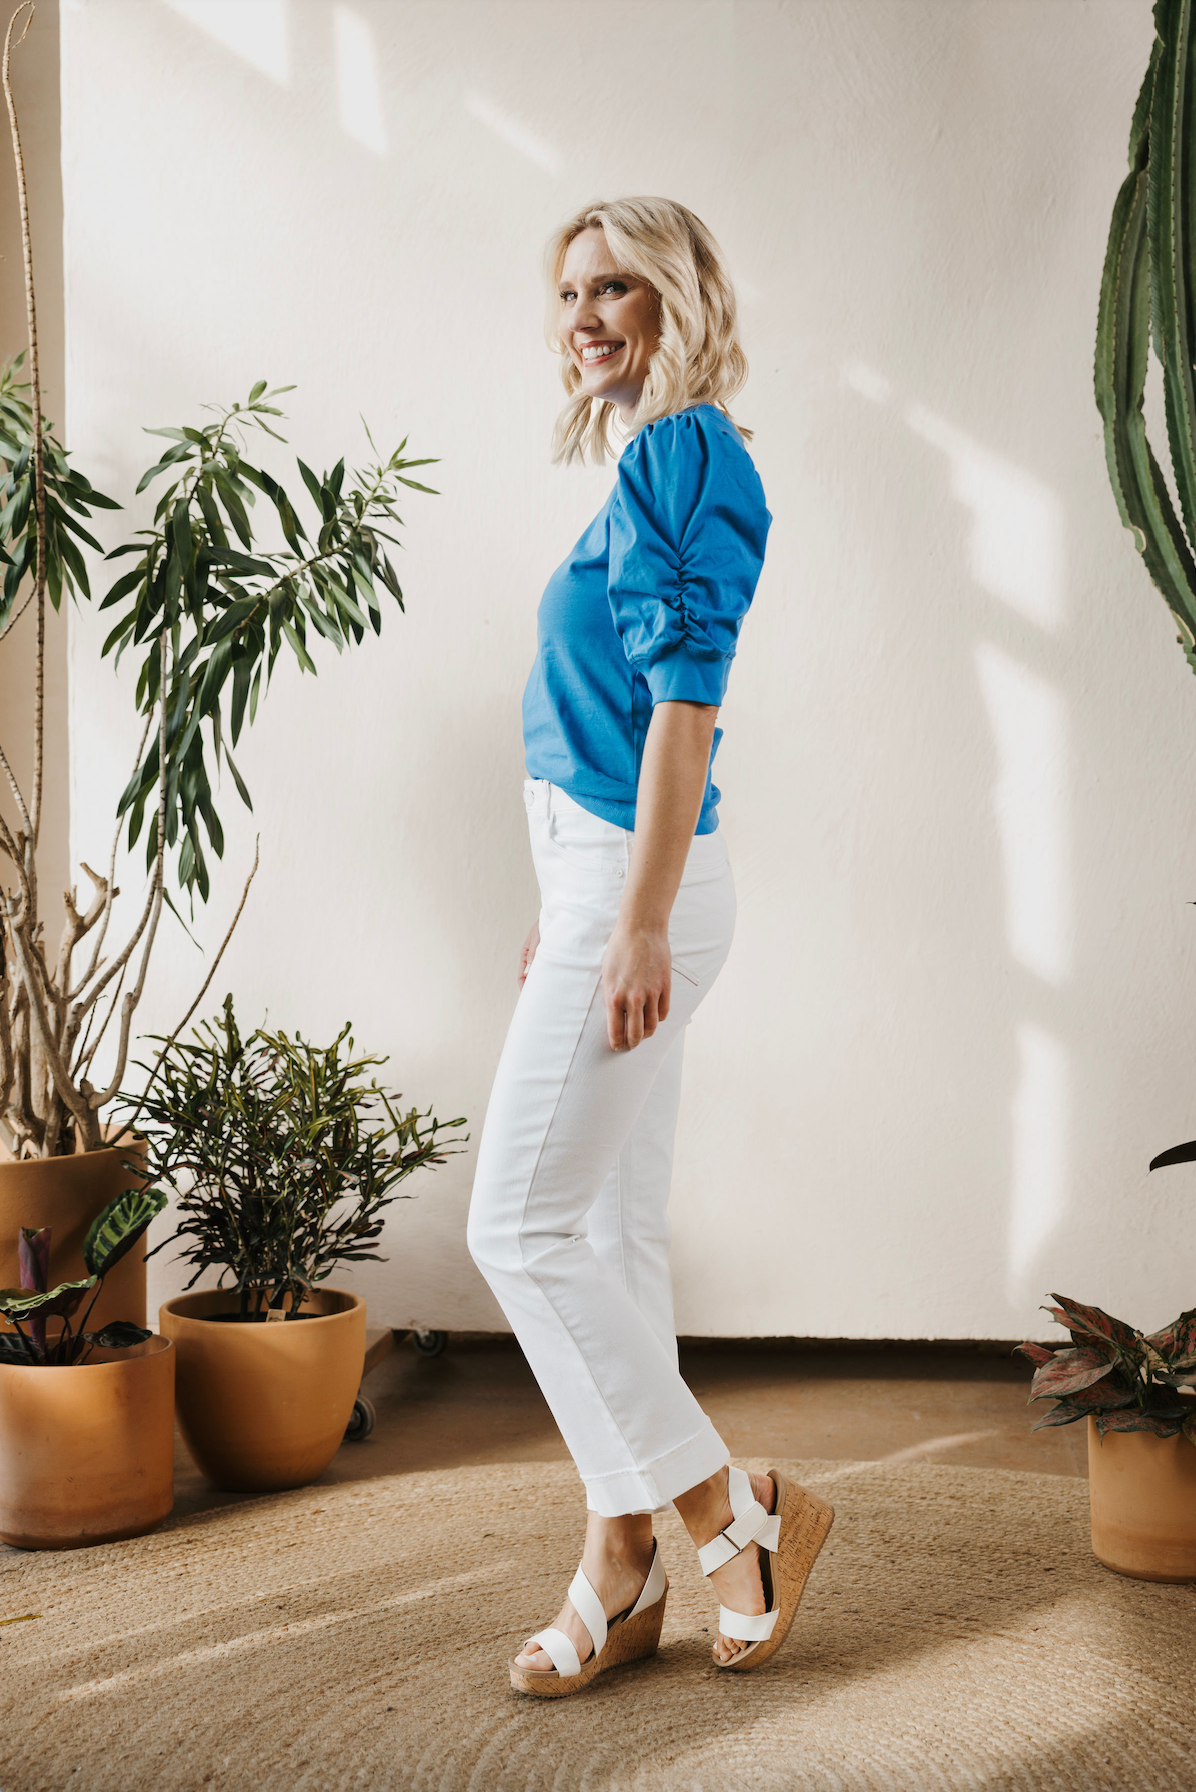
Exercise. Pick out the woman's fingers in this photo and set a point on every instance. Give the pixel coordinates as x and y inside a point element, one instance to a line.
<point>636,979</point>
<point>528,952</point>
<point>633,1016</point>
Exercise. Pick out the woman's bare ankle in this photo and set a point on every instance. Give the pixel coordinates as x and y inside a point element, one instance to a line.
<point>705,1510</point>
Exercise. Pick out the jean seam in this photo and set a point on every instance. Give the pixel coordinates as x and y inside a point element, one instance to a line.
<point>578,1352</point>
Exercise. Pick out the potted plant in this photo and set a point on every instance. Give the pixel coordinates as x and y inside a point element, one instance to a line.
<point>286,1158</point>
<point>207,605</point>
<point>1136,1392</point>
<point>86,1416</point>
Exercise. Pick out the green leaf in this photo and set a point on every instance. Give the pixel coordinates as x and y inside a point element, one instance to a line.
<point>119,1334</point>
<point>169,459</point>
<point>237,779</point>
<point>60,1302</point>
<point>233,506</point>
<point>301,653</point>
<point>128,581</point>
<point>116,1230</point>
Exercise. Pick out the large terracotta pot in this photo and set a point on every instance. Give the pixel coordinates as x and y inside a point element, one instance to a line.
<point>87,1454</point>
<point>66,1194</point>
<point>1143,1495</point>
<point>265,1406</point>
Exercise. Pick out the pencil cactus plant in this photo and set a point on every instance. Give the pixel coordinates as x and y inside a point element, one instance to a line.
<point>1148,298</point>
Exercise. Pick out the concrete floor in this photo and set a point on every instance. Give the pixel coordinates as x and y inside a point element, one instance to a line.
<point>478,1403</point>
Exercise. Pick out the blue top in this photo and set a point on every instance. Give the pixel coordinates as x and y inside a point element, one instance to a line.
<point>646,610</point>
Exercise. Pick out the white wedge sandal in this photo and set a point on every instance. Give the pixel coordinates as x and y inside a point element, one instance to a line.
<point>634,1634</point>
<point>789,1540</point>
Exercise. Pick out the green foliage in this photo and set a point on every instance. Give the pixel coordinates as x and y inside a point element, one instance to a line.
<point>225,604</point>
<point>1148,296</point>
<point>284,1154</point>
<point>52,1303</point>
<point>121,1334</point>
<point>1125,1379</point>
<point>69,496</point>
<point>116,1230</point>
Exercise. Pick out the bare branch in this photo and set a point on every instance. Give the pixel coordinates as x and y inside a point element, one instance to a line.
<point>39,446</point>
<point>41,1030</point>
<point>77,928</point>
<point>204,990</point>
<point>16,790</point>
<point>6,631</point>
<point>88,1052</point>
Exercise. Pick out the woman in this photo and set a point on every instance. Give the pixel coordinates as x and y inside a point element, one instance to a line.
<point>568,1220</point>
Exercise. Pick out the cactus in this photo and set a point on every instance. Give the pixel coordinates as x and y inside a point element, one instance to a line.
<point>1148,297</point>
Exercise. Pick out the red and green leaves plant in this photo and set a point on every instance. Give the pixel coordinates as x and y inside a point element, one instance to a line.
<point>112,1235</point>
<point>1124,1379</point>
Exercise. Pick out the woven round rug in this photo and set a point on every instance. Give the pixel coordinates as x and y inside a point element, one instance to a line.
<point>956,1632</point>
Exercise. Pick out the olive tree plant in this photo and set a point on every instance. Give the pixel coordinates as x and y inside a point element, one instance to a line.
<point>206,606</point>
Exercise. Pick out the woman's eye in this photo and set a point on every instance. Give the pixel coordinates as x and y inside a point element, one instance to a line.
<point>614,286</point>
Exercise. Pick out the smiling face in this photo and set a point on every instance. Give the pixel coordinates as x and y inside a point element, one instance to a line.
<point>609,322</point>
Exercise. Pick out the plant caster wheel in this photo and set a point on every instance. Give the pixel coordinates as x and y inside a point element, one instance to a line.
<point>430,1343</point>
<point>362,1422</point>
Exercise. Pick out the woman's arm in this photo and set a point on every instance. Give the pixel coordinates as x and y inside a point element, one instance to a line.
<point>637,969</point>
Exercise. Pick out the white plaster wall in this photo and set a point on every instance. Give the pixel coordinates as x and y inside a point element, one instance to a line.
<point>960,790</point>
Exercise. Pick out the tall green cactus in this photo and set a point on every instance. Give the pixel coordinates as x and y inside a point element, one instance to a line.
<point>1148,293</point>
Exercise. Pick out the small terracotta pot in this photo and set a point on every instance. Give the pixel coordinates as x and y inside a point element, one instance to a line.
<point>87,1454</point>
<point>265,1406</point>
<point>1142,1490</point>
<point>66,1194</point>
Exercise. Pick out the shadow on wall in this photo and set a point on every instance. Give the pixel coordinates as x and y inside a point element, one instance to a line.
<point>1015,559</point>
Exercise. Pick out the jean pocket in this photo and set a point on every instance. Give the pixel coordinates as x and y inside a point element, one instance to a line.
<point>690,976</point>
<point>587,841</point>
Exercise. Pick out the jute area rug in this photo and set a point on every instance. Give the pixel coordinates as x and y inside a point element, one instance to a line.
<point>956,1633</point>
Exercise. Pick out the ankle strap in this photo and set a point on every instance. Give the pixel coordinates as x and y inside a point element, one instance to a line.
<point>750,1524</point>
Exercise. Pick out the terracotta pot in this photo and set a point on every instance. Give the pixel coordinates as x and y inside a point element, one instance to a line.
<point>66,1194</point>
<point>1143,1495</point>
<point>265,1406</point>
<point>87,1454</point>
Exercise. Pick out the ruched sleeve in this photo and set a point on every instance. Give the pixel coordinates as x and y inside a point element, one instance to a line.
<point>688,524</point>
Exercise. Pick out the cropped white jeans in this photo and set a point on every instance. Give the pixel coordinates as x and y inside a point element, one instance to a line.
<point>568,1221</point>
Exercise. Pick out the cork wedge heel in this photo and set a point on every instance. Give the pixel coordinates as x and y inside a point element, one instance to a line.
<point>632,1636</point>
<point>789,1540</point>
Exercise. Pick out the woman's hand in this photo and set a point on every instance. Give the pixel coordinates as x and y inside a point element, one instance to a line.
<point>528,952</point>
<point>637,970</point>
<point>637,974</point>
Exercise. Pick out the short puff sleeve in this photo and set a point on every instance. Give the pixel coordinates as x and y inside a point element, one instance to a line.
<point>688,524</point>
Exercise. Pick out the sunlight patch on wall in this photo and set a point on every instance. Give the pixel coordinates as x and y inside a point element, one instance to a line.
<point>1029,724</point>
<point>513,132</point>
<point>1040,1121</point>
<point>1016,549</point>
<point>867,382</point>
<point>254,30</point>
<point>358,90</point>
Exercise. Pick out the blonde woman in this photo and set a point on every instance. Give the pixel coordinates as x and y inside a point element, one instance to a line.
<point>568,1223</point>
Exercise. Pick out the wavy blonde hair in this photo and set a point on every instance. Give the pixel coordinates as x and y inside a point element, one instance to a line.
<point>699,359</point>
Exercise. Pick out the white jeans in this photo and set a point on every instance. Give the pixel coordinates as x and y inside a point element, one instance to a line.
<point>568,1221</point>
